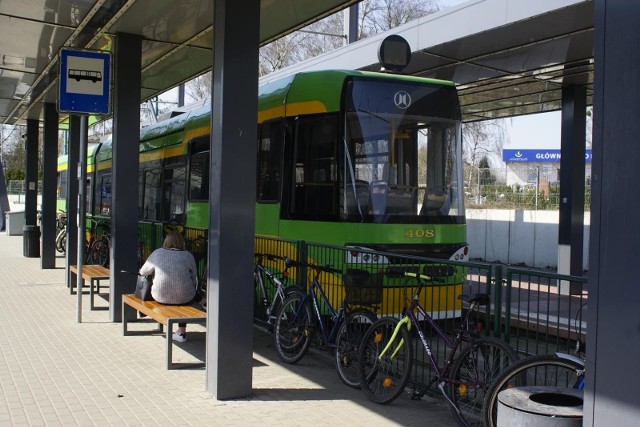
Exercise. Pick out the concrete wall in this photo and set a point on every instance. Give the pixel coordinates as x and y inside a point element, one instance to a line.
<point>517,236</point>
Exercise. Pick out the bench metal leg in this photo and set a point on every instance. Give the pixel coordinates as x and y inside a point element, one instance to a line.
<point>79,285</point>
<point>169,335</point>
<point>93,292</point>
<point>91,306</point>
<point>127,313</point>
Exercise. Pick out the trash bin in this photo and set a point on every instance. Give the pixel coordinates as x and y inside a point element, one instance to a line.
<point>540,406</point>
<point>15,223</point>
<point>31,240</point>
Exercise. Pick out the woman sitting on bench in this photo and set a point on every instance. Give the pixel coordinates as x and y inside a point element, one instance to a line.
<point>175,278</point>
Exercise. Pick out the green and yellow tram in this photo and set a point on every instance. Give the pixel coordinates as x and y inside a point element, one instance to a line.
<point>345,158</point>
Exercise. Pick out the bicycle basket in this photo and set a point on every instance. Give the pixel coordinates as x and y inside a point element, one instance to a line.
<point>362,287</point>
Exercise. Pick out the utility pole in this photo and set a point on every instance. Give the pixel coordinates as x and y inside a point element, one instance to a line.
<point>351,24</point>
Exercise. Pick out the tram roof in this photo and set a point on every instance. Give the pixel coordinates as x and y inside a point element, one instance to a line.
<point>506,57</point>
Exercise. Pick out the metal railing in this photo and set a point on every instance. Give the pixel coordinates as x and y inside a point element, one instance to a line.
<point>537,312</point>
<point>541,312</point>
<point>526,310</point>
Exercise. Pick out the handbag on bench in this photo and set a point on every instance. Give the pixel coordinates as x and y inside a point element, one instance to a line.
<point>143,288</point>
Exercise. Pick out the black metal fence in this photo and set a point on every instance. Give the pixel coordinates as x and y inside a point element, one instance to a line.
<point>537,312</point>
<point>527,308</point>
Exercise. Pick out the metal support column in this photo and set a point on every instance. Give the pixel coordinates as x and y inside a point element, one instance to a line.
<point>73,155</point>
<point>126,142</point>
<point>82,209</point>
<point>49,166</point>
<point>232,206</point>
<point>571,224</point>
<point>31,178</point>
<point>613,344</point>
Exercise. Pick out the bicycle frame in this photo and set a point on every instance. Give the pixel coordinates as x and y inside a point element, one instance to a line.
<point>336,315</point>
<point>279,286</point>
<point>411,319</point>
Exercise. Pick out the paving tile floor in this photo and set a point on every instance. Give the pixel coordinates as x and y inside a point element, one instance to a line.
<point>55,371</point>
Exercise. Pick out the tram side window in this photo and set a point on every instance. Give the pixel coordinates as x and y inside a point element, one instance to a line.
<point>173,194</point>
<point>89,196</point>
<point>62,185</point>
<point>152,195</point>
<point>314,194</point>
<point>199,176</point>
<point>269,161</point>
<point>103,196</point>
<point>140,194</point>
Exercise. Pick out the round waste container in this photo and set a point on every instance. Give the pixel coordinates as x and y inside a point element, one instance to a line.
<point>538,406</point>
<point>31,240</point>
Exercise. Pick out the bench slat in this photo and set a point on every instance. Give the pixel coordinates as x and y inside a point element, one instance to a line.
<point>90,272</point>
<point>161,312</point>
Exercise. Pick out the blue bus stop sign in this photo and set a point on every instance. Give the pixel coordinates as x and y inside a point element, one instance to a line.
<point>84,82</point>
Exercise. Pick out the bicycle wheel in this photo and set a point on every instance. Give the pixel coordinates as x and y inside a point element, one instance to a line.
<point>545,370</point>
<point>471,375</point>
<point>61,242</point>
<point>384,377</point>
<point>100,253</point>
<point>347,341</point>
<point>294,329</point>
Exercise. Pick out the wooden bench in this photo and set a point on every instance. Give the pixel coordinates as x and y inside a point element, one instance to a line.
<point>163,314</point>
<point>93,273</point>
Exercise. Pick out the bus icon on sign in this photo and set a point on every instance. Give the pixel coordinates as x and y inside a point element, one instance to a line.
<point>94,76</point>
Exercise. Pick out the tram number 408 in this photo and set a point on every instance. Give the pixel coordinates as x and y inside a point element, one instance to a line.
<point>420,233</point>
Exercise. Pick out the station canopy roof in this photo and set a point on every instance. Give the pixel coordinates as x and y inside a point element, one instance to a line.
<point>506,70</point>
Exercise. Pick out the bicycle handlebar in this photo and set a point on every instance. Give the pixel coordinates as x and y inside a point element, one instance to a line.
<point>293,263</point>
<point>270,257</point>
<point>319,268</point>
<point>400,272</point>
<point>287,261</point>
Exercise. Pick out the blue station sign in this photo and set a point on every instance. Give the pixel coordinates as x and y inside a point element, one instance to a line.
<point>84,82</point>
<point>536,156</point>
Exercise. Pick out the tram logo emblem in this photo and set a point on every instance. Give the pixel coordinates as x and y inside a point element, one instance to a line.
<point>402,99</point>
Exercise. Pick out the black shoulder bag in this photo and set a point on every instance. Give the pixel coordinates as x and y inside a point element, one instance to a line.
<point>143,288</point>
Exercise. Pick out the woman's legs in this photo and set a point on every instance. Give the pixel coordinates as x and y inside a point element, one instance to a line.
<point>181,333</point>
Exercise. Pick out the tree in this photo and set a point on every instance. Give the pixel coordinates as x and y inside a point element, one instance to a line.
<point>486,178</point>
<point>199,88</point>
<point>481,139</point>
<point>323,36</point>
<point>281,53</point>
<point>377,16</point>
<point>13,150</point>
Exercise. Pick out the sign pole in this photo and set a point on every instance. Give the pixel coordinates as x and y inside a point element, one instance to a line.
<point>82,208</point>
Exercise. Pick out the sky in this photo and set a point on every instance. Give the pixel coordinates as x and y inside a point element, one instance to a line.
<point>530,131</point>
<point>534,131</point>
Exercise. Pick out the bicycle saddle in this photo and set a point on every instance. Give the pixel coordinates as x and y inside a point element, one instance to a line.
<point>480,299</point>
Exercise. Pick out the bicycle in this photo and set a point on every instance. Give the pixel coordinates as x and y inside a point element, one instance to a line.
<point>90,254</point>
<point>300,317</point>
<point>386,355</point>
<point>61,232</point>
<point>271,288</point>
<point>99,252</point>
<point>198,248</point>
<point>556,370</point>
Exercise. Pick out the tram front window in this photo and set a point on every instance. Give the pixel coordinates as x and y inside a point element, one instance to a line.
<point>399,166</point>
